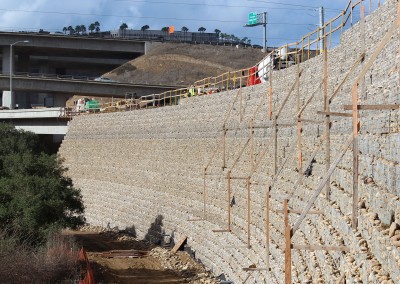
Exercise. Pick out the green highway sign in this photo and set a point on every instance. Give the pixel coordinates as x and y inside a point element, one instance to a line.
<point>252,19</point>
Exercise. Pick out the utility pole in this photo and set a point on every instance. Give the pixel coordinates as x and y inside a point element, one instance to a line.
<point>265,31</point>
<point>321,31</point>
<point>254,20</point>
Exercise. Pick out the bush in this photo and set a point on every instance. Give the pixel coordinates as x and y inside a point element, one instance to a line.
<point>36,197</point>
<point>51,263</point>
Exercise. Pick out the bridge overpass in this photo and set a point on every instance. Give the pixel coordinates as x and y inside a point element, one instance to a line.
<point>65,55</point>
<point>71,46</point>
<point>66,87</point>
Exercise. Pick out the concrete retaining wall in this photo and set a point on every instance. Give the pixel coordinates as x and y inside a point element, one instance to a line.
<point>143,170</point>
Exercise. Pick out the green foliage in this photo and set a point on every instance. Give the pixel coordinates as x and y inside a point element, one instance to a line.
<point>35,195</point>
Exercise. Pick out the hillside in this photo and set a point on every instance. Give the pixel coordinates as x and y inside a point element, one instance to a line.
<point>182,64</point>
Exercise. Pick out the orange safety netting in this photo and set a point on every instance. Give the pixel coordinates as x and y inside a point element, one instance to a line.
<point>89,278</point>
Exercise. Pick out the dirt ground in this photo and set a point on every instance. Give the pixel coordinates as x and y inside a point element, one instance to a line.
<point>182,64</point>
<point>159,266</point>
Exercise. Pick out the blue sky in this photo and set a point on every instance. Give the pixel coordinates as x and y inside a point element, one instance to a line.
<point>288,20</point>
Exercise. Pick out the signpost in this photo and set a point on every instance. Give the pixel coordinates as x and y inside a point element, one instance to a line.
<point>258,19</point>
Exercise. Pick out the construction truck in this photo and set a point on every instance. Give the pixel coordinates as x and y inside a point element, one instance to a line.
<point>85,104</point>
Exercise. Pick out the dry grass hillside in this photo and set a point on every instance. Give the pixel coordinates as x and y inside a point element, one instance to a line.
<point>182,64</point>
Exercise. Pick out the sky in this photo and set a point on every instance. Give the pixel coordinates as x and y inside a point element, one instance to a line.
<point>288,20</point>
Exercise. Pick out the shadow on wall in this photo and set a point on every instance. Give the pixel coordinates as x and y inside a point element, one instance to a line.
<point>131,231</point>
<point>155,233</point>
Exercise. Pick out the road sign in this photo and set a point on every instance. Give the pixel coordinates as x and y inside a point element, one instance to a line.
<point>252,20</point>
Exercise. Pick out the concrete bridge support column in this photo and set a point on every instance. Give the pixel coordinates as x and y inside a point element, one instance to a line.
<point>6,60</point>
<point>23,63</point>
<point>6,97</point>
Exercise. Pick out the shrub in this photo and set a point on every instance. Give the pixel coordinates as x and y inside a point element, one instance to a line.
<point>51,263</point>
<point>36,197</point>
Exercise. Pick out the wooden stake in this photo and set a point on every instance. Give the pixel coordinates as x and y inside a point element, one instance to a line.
<point>204,195</point>
<point>288,247</point>
<point>248,212</point>
<point>327,120</point>
<point>372,107</point>
<point>241,102</point>
<point>251,147</point>
<point>398,15</point>
<point>270,91</point>
<point>267,208</point>
<point>356,129</point>
<point>299,127</point>
<point>224,149</point>
<point>275,145</point>
<point>318,247</point>
<point>322,184</point>
<point>355,156</point>
<point>229,200</point>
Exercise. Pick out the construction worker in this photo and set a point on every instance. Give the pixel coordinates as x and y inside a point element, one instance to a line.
<point>192,91</point>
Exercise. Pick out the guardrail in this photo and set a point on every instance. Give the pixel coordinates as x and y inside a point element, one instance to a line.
<point>55,76</point>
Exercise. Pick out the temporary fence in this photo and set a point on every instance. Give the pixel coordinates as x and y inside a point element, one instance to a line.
<point>89,275</point>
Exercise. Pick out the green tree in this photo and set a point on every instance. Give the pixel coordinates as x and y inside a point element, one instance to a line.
<point>92,27</point>
<point>83,29</point>
<point>78,29</point>
<point>144,29</point>
<point>97,26</point>
<point>36,197</point>
<point>202,30</point>
<point>71,30</point>
<point>65,30</point>
<point>123,27</point>
<point>217,32</point>
<point>184,30</point>
<point>165,31</point>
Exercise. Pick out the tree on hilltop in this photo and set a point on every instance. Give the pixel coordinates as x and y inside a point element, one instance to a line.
<point>165,30</point>
<point>36,197</point>
<point>184,30</point>
<point>202,30</point>
<point>144,28</point>
<point>71,30</point>
<point>97,26</point>
<point>92,27</point>
<point>78,29</point>
<point>83,29</point>
<point>123,27</point>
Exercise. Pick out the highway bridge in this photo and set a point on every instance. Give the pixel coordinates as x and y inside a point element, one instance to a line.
<point>71,58</point>
<point>77,85</point>
<point>49,69</point>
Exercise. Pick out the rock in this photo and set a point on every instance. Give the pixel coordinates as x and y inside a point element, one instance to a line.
<point>368,180</point>
<point>393,227</point>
